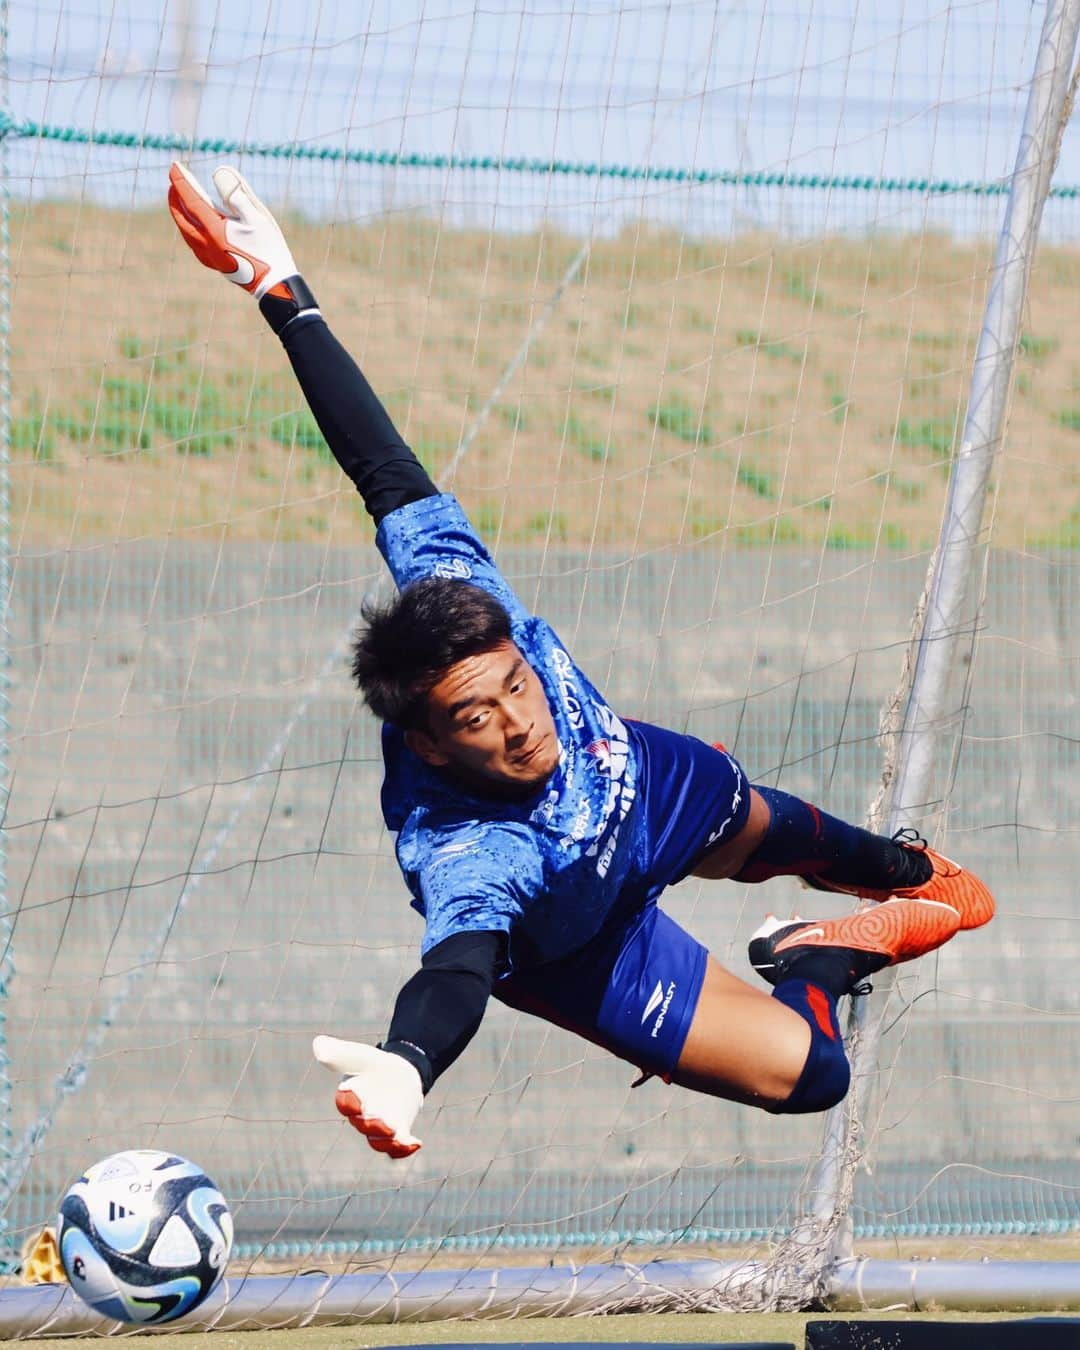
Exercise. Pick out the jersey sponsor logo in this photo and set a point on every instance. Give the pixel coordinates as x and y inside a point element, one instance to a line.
<point>601,752</point>
<point>568,687</point>
<point>655,999</point>
<point>543,813</point>
<point>612,755</point>
<point>453,569</point>
<point>669,994</point>
<point>579,826</point>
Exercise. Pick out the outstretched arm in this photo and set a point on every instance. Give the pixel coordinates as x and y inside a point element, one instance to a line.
<point>437,1013</point>
<point>245,243</point>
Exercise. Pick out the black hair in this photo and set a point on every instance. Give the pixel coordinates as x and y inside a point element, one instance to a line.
<point>406,646</point>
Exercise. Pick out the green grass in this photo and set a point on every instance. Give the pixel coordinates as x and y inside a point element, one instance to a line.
<point>893,537</point>
<point>687,1328</point>
<point>907,489</point>
<point>747,337</point>
<point>704,527</point>
<point>839,402</point>
<point>301,430</point>
<point>1066,536</point>
<point>938,341</point>
<point>844,540</point>
<point>930,433</point>
<point>32,434</point>
<point>581,438</point>
<point>513,416</point>
<point>768,534</point>
<point>548,525</point>
<point>488,520</point>
<point>426,451</point>
<point>760,483</point>
<point>679,418</point>
<point>171,403</point>
<point>1037,347</point>
<point>795,286</point>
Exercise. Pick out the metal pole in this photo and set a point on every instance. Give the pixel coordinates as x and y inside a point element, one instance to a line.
<point>971,1286</point>
<point>281,1301</point>
<point>189,79</point>
<point>950,617</point>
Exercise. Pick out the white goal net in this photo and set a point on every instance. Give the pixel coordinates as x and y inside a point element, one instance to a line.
<point>682,301</point>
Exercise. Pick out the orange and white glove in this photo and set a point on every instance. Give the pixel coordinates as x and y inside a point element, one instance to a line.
<point>379,1093</point>
<point>244,242</point>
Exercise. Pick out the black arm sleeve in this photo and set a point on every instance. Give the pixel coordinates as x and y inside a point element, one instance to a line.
<point>357,427</point>
<point>439,1010</point>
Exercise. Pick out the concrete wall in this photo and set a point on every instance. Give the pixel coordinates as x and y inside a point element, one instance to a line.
<point>200,881</point>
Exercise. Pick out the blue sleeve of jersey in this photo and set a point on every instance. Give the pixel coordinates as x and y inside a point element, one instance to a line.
<point>479,881</point>
<point>433,537</point>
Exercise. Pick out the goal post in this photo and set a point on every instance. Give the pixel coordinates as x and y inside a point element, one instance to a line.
<point>924,742</point>
<point>692,339</point>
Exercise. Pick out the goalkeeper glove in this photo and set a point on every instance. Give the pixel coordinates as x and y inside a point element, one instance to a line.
<point>379,1094</point>
<point>244,242</point>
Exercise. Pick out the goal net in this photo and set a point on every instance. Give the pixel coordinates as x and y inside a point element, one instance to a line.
<point>682,302</point>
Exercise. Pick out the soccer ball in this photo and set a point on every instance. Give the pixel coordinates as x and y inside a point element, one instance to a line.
<point>144,1236</point>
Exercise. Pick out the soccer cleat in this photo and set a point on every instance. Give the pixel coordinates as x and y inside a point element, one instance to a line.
<point>871,939</point>
<point>947,883</point>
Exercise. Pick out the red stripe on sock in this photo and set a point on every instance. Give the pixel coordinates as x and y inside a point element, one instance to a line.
<point>820,1007</point>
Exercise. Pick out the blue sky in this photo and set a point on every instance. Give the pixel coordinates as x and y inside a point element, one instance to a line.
<point>898,88</point>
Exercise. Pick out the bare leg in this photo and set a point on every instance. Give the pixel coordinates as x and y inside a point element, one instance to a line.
<point>743,1044</point>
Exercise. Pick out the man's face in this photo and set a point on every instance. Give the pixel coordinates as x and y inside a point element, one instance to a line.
<point>488,719</point>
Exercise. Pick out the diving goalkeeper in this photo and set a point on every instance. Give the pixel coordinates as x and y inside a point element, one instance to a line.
<point>536,829</point>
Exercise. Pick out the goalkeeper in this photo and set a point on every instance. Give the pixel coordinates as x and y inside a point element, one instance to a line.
<point>535,828</point>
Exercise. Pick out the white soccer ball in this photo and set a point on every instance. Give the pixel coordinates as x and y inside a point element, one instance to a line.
<point>144,1236</point>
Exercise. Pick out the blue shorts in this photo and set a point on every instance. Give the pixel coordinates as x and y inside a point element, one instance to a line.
<point>634,987</point>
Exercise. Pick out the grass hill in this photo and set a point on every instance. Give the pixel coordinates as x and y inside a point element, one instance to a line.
<point>748,391</point>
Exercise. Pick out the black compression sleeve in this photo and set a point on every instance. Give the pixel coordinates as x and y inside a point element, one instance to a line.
<point>357,427</point>
<point>439,1010</point>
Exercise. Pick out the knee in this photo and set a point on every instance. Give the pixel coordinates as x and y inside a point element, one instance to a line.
<point>824,1081</point>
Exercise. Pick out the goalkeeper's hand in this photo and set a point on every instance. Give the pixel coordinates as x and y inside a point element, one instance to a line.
<point>379,1093</point>
<point>244,242</point>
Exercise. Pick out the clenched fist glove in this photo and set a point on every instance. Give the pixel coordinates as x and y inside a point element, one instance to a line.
<point>244,242</point>
<point>379,1094</point>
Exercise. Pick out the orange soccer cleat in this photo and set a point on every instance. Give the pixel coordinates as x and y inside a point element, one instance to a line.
<point>948,883</point>
<point>895,931</point>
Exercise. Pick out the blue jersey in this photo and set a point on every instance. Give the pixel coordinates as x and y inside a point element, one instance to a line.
<point>546,871</point>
